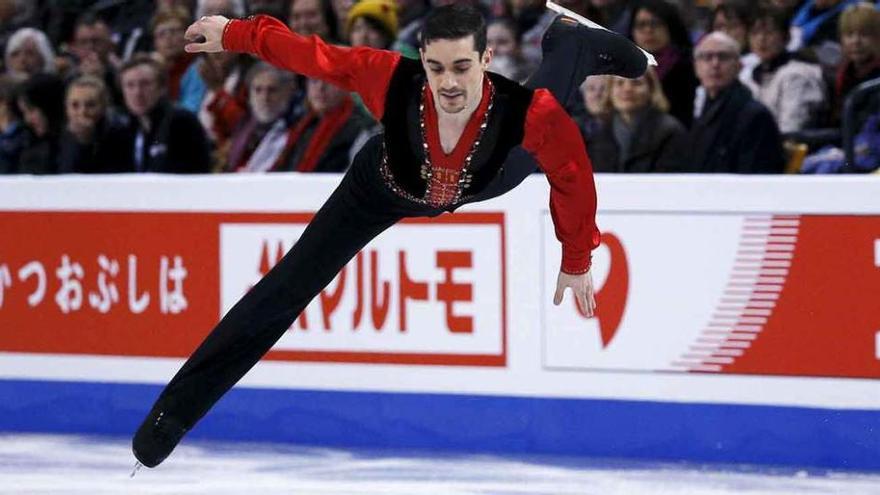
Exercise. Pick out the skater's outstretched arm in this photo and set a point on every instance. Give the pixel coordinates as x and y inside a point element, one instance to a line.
<point>366,71</point>
<point>555,142</point>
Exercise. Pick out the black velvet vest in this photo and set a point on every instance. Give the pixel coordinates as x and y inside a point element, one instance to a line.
<point>403,138</point>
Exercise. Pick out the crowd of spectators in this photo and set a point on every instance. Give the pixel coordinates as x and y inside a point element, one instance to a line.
<point>741,86</point>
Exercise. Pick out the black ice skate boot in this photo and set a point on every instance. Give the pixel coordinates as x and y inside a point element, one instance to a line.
<point>572,51</point>
<point>157,437</point>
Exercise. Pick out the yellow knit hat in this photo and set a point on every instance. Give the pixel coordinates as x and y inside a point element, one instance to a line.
<point>383,11</point>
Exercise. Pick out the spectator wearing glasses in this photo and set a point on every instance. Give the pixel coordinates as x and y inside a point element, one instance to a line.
<point>93,47</point>
<point>168,26</point>
<point>734,133</point>
<point>657,27</point>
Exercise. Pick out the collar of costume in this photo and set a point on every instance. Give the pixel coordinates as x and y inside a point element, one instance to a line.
<point>446,175</point>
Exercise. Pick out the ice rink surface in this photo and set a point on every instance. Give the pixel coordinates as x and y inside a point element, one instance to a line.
<point>56,464</point>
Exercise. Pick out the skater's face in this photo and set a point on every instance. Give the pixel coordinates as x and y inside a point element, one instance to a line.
<point>649,31</point>
<point>717,63</point>
<point>455,73</point>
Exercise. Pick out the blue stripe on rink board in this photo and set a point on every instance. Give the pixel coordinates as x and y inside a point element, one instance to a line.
<point>791,436</point>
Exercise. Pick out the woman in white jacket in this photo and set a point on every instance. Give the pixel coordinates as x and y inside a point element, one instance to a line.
<point>793,90</point>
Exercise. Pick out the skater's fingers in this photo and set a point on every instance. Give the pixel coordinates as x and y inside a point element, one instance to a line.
<point>195,31</point>
<point>196,47</point>
<point>557,299</point>
<point>585,307</point>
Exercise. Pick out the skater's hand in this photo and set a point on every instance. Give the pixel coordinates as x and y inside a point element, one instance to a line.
<point>206,34</point>
<point>582,286</point>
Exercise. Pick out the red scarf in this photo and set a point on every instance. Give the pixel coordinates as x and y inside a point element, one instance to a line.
<point>329,124</point>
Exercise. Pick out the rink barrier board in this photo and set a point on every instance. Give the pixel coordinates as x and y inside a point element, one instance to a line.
<point>738,318</point>
<point>711,433</point>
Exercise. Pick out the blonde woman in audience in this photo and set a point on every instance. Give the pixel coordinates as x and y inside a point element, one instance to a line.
<point>639,136</point>
<point>91,141</point>
<point>860,40</point>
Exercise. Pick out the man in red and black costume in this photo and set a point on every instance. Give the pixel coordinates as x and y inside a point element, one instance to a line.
<point>453,134</point>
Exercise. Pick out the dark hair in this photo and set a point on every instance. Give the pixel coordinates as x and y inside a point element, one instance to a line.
<point>45,92</point>
<point>9,89</point>
<point>89,18</point>
<point>453,22</point>
<point>668,13</point>
<point>330,18</point>
<point>778,19</point>
<point>381,27</point>
<point>511,25</point>
<point>739,11</point>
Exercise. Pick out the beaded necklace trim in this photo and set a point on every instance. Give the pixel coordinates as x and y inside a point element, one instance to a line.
<point>426,170</point>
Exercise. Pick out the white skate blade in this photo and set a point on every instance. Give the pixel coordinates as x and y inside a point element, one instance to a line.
<point>559,9</point>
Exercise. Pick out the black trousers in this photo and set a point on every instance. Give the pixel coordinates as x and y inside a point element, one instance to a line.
<point>358,210</point>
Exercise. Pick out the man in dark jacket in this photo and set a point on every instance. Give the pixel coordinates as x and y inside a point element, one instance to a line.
<point>734,133</point>
<point>160,137</point>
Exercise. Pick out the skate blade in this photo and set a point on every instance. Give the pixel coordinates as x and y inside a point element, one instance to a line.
<point>137,466</point>
<point>559,9</point>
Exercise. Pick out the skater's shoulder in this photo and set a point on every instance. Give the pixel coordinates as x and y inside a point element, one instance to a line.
<point>511,93</point>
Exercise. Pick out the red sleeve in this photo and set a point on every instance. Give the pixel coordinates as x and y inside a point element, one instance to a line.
<point>364,70</point>
<point>556,143</point>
